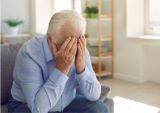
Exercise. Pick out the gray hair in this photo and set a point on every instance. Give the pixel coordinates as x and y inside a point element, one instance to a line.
<point>59,19</point>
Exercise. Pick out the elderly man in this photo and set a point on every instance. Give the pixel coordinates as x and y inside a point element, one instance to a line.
<point>50,68</point>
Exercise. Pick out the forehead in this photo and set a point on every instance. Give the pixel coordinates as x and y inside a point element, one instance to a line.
<point>68,30</point>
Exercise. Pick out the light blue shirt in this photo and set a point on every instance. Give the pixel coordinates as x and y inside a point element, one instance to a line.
<point>42,86</point>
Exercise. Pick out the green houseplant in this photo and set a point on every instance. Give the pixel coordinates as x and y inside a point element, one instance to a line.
<point>13,25</point>
<point>91,12</point>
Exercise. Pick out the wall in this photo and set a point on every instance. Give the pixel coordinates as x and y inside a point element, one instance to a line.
<point>151,55</point>
<point>17,9</point>
<point>135,17</point>
<point>42,15</point>
<point>136,59</point>
<point>35,13</point>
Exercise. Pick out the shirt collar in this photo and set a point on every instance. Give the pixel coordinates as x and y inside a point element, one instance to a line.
<point>47,51</point>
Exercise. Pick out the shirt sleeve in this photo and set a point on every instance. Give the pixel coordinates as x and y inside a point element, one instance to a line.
<point>87,81</point>
<point>40,96</point>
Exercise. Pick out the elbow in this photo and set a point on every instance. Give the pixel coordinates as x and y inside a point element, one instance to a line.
<point>35,109</point>
<point>38,106</point>
<point>38,109</point>
<point>94,95</point>
<point>94,98</point>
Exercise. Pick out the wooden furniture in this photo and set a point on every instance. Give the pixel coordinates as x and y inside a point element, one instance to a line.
<point>20,38</point>
<point>100,36</point>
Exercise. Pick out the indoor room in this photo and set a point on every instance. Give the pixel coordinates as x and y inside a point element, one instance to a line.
<point>120,70</point>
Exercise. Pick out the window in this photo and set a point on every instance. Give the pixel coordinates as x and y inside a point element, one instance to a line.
<point>135,18</point>
<point>143,18</point>
<point>59,5</point>
<point>152,17</point>
<point>43,10</point>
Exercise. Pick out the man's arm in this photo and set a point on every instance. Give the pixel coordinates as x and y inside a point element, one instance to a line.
<point>40,96</point>
<point>88,83</point>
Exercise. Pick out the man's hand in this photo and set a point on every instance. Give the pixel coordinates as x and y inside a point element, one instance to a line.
<point>65,55</point>
<point>80,57</point>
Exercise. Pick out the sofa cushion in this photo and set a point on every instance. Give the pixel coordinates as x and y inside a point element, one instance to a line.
<point>104,92</point>
<point>110,104</point>
<point>4,109</point>
<point>8,56</point>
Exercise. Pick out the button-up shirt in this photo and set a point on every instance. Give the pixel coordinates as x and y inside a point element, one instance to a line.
<point>37,82</point>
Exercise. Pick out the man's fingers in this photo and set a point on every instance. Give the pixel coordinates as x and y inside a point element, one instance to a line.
<point>74,46</point>
<point>64,45</point>
<point>79,49</point>
<point>70,44</point>
<point>75,50</point>
<point>83,41</point>
<point>81,44</point>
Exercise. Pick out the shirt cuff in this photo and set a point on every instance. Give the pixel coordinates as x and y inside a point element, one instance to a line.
<point>58,77</point>
<point>84,75</point>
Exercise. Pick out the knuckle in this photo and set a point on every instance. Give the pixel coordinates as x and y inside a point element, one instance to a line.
<point>68,58</point>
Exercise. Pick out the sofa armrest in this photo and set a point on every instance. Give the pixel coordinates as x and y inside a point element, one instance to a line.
<point>4,109</point>
<point>104,92</point>
<point>110,104</point>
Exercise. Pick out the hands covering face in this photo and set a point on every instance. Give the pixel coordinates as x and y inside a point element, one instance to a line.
<point>73,49</point>
<point>80,57</point>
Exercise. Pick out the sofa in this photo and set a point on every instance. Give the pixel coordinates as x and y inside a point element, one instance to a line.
<point>8,56</point>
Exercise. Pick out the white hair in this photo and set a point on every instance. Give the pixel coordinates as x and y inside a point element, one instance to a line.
<point>59,19</point>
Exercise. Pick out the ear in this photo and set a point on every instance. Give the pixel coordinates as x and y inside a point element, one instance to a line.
<point>51,44</point>
<point>54,48</point>
<point>49,37</point>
